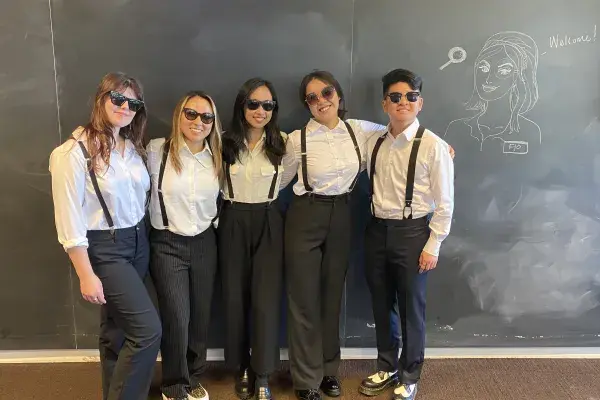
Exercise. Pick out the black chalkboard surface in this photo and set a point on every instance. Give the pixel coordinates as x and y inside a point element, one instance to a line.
<point>513,86</point>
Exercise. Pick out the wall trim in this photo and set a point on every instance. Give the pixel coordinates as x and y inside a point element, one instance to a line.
<point>78,356</point>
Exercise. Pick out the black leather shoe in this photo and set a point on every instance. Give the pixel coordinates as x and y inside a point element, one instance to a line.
<point>244,384</point>
<point>263,393</point>
<point>331,386</point>
<point>377,383</point>
<point>310,394</point>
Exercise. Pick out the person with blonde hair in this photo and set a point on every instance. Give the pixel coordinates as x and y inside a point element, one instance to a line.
<point>99,189</point>
<point>185,171</point>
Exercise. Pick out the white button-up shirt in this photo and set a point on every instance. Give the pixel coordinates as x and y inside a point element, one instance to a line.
<point>190,197</point>
<point>123,185</point>
<point>332,162</point>
<point>434,181</point>
<point>252,175</point>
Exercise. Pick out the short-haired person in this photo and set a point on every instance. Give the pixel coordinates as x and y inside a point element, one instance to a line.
<point>412,185</point>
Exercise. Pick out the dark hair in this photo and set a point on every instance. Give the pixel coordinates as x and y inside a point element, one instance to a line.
<point>323,76</point>
<point>100,138</point>
<point>402,75</point>
<point>233,139</point>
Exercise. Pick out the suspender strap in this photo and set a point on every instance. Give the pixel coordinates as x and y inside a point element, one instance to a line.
<point>229,184</point>
<point>410,177</point>
<point>357,149</point>
<point>271,189</point>
<point>304,163</point>
<point>373,163</point>
<point>92,173</point>
<point>161,201</point>
<point>274,182</point>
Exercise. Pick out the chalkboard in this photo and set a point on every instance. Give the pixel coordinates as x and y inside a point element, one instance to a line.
<point>521,265</point>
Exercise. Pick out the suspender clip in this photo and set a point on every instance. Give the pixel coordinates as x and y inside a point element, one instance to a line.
<point>409,207</point>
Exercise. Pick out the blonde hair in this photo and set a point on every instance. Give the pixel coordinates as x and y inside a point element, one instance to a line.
<point>214,137</point>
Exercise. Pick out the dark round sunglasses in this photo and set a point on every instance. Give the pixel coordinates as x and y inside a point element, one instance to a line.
<point>267,105</point>
<point>313,98</point>
<point>192,115</point>
<point>395,97</point>
<point>118,99</point>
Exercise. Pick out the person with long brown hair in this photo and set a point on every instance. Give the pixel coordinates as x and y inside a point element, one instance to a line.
<point>185,170</point>
<point>99,188</point>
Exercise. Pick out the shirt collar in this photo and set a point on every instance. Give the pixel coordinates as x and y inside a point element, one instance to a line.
<point>409,133</point>
<point>314,126</point>
<point>184,147</point>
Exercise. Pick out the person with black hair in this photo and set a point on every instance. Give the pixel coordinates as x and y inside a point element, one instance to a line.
<point>412,187</point>
<point>250,237</point>
<point>327,154</point>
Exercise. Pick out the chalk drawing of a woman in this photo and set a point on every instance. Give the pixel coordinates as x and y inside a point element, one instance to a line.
<point>505,90</point>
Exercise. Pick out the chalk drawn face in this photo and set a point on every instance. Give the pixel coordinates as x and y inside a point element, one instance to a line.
<point>495,74</point>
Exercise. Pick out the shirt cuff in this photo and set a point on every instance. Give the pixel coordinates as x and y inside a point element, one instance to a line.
<point>78,242</point>
<point>432,246</point>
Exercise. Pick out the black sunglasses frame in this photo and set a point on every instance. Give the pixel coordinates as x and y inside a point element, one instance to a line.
<point>118,99</point>
<point>206,118</point>
<point>412,97</point>
<point>267,105</point>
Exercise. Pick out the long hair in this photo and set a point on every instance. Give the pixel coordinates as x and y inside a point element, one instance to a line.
<point>233,139</point>
<point>327,77</point>
<point>523,51</point>
<point>214,137</point>
<point>99,131</point>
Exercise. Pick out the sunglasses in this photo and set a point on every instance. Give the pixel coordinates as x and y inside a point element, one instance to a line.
<point>267,105</point>
<point>118,99</point>
<point>395,97</point>
<point>313,98</point>
<point>191,115</point>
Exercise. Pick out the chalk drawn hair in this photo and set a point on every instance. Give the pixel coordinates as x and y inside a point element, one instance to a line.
<point>523,52</point>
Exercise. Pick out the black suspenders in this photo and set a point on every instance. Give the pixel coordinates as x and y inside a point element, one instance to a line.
<point>410,177</point>
<point>161,201</point>
<point>308,188</point>
<point>90,167</point>
<point>271,189</point>
<point>163,163</point>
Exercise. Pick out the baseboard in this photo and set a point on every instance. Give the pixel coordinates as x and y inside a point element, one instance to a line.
<point>67,356</point>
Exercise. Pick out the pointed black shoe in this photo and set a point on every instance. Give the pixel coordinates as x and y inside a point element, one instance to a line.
<point>244,384</point>
<point>263,393</point>
<point>310,394</point>
<point>331,386</point>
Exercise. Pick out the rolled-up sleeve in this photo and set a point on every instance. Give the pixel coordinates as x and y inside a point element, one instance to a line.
<point>67,168</point>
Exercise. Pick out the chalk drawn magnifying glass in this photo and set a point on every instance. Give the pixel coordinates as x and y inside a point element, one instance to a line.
<point>456,55</point>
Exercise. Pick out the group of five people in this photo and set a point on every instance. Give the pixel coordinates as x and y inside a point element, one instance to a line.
<point>103,178</point>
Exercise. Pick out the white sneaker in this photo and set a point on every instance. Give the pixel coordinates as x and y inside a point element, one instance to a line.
<point>165,397</point>
<point>198,393</point>
<point>405,392</point>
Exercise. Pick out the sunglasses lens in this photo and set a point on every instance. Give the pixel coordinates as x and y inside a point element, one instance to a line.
<point>312,99</point>
<point>328,92</point>
<point>135,105</point>
<point>395,97</point>
<point>207,118</point>
<point>190,115</point>
<point>117,98</point>
<point>268,105</point>
<point>252,104</point>
<point>412,96</point>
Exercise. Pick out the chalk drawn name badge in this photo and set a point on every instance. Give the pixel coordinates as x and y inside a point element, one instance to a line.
<point>515,147</point>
